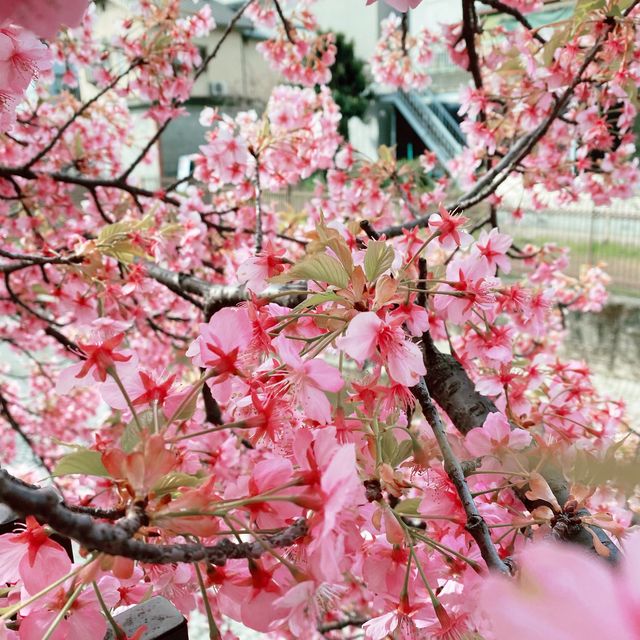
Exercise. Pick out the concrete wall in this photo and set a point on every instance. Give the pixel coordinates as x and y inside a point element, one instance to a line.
<point>238,69</point>
<point>238,66</point>
<point>359,22</point>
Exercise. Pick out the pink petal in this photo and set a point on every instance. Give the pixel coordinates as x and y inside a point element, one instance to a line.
<point>359,342</point>
<point>43,17</point>
<point>51,562</point>
<point>477,442</point>
<point>519,439</point>
<point>496,426</point>
<point>406,365</point>
<point>10,555</point>
<point>324,375</point>
<point>315,403</point>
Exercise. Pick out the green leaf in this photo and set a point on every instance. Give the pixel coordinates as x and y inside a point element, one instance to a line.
<point>319,267</point>
<point>389,447</point>
<point>584,7</point>
<point>130,437</point>
<point>173,481</point>
<point>377,259</point>
<point>620,6</point>
<point>87,463</point>
<point>404,451</point>
<point>408,507</point>
<point>114,240</point>
<point>556,41</point>
<point>318,299</point>
<point>188,410</point>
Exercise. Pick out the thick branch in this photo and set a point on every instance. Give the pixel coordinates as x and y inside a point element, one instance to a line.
<point>469,30</point>
<point>81,181</point>
<point>25,260</point>
<point>116,540</point>
<point>455,392</point>
<point>215,296</point>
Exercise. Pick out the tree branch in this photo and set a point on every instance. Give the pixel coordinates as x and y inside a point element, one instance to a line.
<point>43,152</point>
<point>493,178</point>
<point>476,525</point>
<point>285,22</point>
<point>455,392</point>
<point>501,7</point>
<point>113,539</point>
<point>5,411</point>
<point>469,30</point>
<point>215,296</point>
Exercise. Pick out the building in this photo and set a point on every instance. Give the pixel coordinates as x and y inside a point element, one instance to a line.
<point>237,79</point>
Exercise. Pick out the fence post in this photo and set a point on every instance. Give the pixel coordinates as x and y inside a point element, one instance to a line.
<point>592,240</point>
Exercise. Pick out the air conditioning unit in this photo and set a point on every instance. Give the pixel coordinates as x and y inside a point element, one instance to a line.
<point>217,89</point>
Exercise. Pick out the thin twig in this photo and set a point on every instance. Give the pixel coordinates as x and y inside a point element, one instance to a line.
<point>476,525</point>
<point>285,22</point>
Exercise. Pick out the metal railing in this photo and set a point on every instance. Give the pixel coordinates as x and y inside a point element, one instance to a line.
<point>443,114</point>
<point>426,122</point>
<point>608,235</point>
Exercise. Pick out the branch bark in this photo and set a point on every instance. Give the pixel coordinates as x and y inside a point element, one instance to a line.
<point>469,30</point>
<point>455,393</point>
<point>116,539</point>
<point>476,525</point>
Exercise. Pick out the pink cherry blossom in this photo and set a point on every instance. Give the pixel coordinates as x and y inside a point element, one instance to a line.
<point>495,436</point>
<point>99,359</point>
<point>220,347</point>
<point>32,557</point>
<point>43,17</point>
<point>292,407</point>
<point>309,380</point>
<point>84,619</point>
<point>448,227</point>
<point>368,336</point>
<point>22,57</point>
<point>493,247</point>
<point>564,593</point>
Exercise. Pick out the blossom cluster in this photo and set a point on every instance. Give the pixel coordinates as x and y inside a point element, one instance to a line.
<point>227,367</point>
<point>298,51</point>
<point>401,59</point>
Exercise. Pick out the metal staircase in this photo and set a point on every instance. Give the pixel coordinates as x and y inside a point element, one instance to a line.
<point>432,122</point>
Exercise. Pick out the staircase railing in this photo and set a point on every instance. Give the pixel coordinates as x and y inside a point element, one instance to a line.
<point>429,122</point>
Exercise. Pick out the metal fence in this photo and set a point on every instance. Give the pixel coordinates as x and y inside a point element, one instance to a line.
<point>607,235</point>
<point>594,235</point>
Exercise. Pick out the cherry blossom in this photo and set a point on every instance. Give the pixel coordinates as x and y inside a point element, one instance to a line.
<point>309,378</point>
<point>340,412</point>
<point>549,572</point>
<point>495,436</point>
<point>43,17</point>
<point>368,336</point>
<point>32,558</point>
